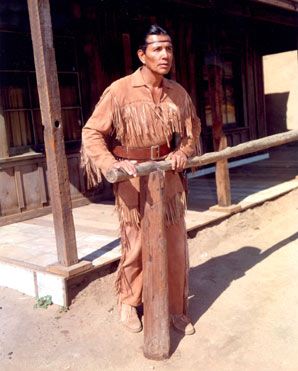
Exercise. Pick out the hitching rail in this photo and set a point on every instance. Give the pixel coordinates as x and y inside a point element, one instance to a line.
<point>146,168</point>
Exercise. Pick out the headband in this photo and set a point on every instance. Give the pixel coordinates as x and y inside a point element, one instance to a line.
<point>162,41</point>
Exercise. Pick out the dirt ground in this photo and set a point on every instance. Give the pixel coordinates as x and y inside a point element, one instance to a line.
<point>243,303</point>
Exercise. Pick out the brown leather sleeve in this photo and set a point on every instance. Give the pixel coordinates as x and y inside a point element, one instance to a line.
<point>191,145</point>
<point>95,131</point>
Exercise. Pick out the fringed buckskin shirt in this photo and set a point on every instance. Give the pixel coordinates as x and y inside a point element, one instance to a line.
<point>127,112</point>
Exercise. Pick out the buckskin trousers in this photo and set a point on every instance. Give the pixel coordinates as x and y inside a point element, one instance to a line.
<point>130,269</point>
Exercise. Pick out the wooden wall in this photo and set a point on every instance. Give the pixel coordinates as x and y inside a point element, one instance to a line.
<point>24,189</point>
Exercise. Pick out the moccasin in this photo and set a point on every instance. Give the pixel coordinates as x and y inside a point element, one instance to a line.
<point>182,324</point>
<point>129,318</point>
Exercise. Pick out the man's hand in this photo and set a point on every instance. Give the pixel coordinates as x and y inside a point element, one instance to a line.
<point>127,165</point>
<point>179,160</point>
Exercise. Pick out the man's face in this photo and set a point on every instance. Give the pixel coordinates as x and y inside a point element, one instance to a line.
<point>159,54</point>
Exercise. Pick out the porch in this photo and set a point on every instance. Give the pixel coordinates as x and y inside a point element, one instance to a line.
<point>28,249</point>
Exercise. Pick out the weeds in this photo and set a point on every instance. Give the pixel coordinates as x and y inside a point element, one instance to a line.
<point>43,302</point>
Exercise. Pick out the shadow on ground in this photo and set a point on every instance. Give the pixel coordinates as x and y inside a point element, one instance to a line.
<point>210,279</point>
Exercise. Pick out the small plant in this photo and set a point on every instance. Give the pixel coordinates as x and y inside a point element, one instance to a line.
<point>43,302</point>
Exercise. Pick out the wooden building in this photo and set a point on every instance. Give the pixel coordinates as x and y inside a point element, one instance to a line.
<point>218,45</point>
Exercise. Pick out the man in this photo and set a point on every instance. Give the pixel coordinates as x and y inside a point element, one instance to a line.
<point>142,113</point>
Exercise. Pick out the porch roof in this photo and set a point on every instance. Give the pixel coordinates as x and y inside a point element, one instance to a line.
<point>284,4</point>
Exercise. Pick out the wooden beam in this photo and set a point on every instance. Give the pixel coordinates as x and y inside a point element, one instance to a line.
<point>4,149</point>
<point>284,4</point>
<point>19,187</point>
<point>42,185</point>
<point>114,176</point>
<point>222,177</point>
<point>49,98</point>
<point>155,267</point>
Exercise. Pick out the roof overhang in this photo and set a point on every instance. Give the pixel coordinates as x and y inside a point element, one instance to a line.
<point>291,5</point>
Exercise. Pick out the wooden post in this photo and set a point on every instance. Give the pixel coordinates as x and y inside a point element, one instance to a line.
<point>155,267</point>
<point>49,98</point>
<point>222,177</point>
<point>223,187</point>
<point>4,149</point>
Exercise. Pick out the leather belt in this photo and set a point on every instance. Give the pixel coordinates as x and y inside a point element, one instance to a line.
<point>142,153</point>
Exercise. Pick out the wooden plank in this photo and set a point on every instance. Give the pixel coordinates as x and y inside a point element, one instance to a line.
<point>155,267</point>
<point>222,177</point>
<point>19,263</point>
<point>8,195</point>
<point>19,187</point>
<point>4,149</point>
<point>42,185</point>
<point>49,97</point>
<point>31,187</point>
<point>75,269</point>
<point>268,194</point>
<point>20,160</point>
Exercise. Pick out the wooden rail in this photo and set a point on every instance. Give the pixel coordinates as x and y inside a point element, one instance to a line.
<point>114,176</point>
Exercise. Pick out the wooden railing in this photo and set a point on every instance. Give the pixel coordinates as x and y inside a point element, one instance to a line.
<point>154,247</point>
<point>114,176</point>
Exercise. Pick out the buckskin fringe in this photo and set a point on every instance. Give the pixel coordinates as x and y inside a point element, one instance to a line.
<point>174,211</point>
<point>121,278</point>
<point>140,120</point>
<point>127,215</point>
<point>92,172</point>
<point>175,208</point>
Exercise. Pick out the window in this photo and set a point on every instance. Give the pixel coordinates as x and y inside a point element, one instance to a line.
<point>231,85</point>
<point>19,94</point>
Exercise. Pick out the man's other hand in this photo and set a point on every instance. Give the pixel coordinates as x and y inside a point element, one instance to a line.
<point>179,160</point>
<point>127,165</point>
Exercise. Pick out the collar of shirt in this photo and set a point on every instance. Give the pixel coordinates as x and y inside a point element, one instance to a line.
<point>137,80</point>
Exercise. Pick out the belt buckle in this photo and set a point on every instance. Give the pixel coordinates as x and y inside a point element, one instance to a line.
<point>152,154</point>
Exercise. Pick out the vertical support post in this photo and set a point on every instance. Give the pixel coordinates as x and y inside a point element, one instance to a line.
<point>223,187</point>
<point>4,149</point>
<point>155,267</point>
<point>222,177</point>
<point>49,98</point>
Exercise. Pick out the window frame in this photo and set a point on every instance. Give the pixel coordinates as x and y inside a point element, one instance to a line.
<point>28,73</point>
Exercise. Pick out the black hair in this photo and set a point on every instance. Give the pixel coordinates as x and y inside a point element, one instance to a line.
<point>154,29</point>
